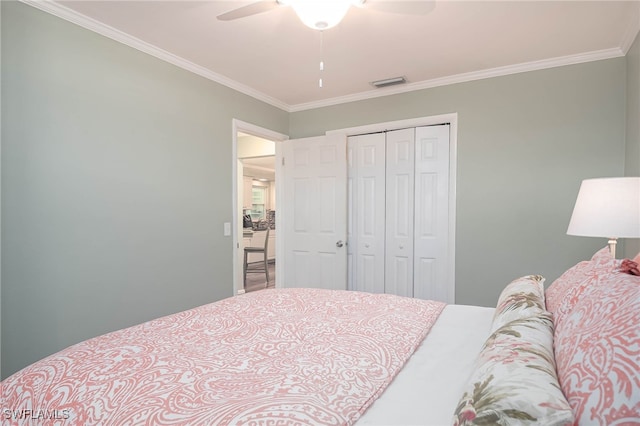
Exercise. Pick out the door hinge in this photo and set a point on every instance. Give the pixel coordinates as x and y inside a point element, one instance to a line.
<point>283,161</point>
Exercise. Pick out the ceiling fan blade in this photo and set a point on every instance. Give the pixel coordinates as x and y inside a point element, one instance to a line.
<point>248,10</point>
<point>408,7</point>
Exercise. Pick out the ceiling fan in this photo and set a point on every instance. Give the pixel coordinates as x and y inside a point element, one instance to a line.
<point>324,14</point>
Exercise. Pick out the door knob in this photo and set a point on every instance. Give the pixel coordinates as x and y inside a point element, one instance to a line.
<point>339,243</point>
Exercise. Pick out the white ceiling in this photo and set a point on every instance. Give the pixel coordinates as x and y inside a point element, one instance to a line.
<point>274,57</point>
<point>260,167</point>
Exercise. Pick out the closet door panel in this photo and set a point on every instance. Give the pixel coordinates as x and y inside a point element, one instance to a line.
<point>399,212</point>
<point>426,282</point>
<point>432,213</point>
<point>369,211</point>
<point>351,212</point>
<point>427,207</point>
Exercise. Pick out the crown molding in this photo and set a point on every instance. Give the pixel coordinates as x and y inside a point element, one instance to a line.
<point>91,24</point>
<point>465,77</point>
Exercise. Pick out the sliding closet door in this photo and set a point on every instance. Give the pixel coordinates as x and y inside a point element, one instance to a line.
<point>399,212</point>
<point>366,171</point>
<point>431,235</point>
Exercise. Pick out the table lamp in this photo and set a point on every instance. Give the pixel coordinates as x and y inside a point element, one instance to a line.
<point>607,207</point>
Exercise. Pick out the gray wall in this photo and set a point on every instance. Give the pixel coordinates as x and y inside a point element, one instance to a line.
<point>525,142</point>
<point>116,177</point>
<point>116,181</point>
<point>632,157</point>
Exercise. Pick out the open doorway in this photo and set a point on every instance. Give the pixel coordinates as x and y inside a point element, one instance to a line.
<point>258,195</point>
<point>255,219</point>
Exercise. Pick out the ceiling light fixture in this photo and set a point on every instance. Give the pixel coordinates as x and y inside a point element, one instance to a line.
<point>321,61</point>
<point>321,15</point>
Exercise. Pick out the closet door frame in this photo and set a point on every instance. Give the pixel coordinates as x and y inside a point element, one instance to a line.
<point>452,120</point>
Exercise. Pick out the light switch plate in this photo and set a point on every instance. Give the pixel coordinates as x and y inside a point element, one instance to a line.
<point>227,229</point>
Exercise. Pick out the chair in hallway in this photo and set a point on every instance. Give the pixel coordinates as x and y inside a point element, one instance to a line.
<point>257,267</point>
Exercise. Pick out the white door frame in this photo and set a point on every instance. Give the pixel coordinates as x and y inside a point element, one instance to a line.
<point>452,119</point>
<point>261,132</point>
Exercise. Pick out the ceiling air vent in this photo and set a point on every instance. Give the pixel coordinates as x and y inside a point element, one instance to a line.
<point>388,82</point>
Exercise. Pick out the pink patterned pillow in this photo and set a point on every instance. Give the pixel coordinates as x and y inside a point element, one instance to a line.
<point>564,293</point>
<point>597,350</point>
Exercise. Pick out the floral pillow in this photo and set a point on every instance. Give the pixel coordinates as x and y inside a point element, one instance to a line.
<point>515,379</point>
<point>597,350</point>
<point>521,298</point>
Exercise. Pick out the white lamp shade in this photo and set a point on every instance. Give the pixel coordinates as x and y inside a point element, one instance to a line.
<point>608,207</point>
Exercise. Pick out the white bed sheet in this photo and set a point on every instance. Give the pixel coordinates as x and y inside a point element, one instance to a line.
<point>428,388</point>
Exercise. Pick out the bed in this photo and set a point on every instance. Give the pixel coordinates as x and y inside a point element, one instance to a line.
<point>567,355</point>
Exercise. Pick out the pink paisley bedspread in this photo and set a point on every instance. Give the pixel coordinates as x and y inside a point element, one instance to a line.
<point>277,357</point>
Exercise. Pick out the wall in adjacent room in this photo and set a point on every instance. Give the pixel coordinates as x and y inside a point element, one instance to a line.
<point>525,143</point>
<point>116,182</point>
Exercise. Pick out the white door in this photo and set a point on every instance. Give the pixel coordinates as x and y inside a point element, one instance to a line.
<point>399,212</point>
<point>367,214</point>
<point>399,230</point>
<point>431,244</point>
<point>314,212</point>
